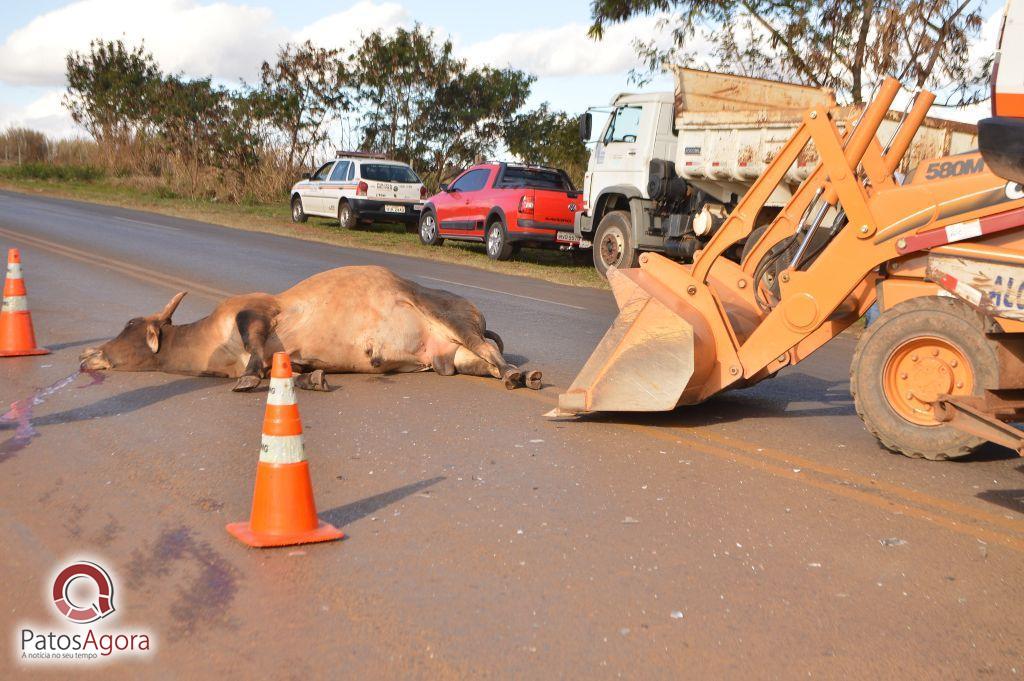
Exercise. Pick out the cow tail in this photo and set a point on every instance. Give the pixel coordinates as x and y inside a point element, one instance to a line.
<point>496,338</point>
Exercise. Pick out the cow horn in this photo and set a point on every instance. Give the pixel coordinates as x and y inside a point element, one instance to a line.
<point>171,307</point>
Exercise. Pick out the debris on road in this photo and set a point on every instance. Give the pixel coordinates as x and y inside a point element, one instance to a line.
<point>892,541</point>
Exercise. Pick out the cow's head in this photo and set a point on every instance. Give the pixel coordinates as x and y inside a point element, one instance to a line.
<point>137,346</point>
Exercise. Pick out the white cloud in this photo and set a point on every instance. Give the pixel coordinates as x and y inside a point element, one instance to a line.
<point>340,28</point>
<point>224,40</point>
<point>566,50</point>
<point>227,41</point>
<point>45,114</point>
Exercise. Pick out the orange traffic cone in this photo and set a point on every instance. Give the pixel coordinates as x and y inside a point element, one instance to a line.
<point>16,336</point>
<point>283,510</point>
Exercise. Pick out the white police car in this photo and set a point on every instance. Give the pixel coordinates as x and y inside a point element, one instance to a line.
<point>360,187</point>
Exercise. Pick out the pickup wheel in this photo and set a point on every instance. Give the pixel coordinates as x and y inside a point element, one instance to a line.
<point>346,215</point>
<point>498,247</point>
<point>429,231</point>
<point>298,214</point>
<point>613,243</point>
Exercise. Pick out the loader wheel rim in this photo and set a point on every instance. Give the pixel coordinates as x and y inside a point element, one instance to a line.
<point>920,370</point>
<point>611,247</point>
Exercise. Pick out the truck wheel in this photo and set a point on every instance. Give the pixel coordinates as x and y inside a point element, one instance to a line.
<point>298,214</point>
<point>613,243</point>
<point>498,247</point>
<point>914,352</point>
<point>429,233</point>
<point>346,215</point>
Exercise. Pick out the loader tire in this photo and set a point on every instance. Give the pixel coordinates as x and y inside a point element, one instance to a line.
<point>920,348</point>
<point>613,243</point>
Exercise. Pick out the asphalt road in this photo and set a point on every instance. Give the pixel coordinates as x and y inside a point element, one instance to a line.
<point>763,534</point>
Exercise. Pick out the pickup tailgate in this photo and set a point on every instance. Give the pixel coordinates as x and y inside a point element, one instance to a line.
<point>555,208</point>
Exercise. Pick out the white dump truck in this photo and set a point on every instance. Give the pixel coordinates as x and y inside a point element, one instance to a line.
<point>666,168</point>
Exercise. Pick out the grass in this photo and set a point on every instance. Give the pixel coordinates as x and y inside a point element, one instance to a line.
<point>84,183</point>
<point>48,171</point>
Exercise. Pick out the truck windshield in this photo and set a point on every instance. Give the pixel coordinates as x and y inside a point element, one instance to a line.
<point>625,125</point>
<point>385,172</point>
<point>535,178</point>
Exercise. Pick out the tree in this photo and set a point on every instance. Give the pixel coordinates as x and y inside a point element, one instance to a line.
<point>472,114</point>
<point>842,44</point>
<point>189,123</point>
<point>551,138</point>
<point>111,91</point>
<point>398,76</point>
<point>421,105</point>
<point>304,90</point>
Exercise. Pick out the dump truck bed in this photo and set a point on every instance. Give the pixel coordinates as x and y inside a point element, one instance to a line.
<point>731,127</point>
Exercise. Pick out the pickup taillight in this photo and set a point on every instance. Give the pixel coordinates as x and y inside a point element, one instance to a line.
<point>362,188</point>
<point>526,204</point>
<point>423,192</point>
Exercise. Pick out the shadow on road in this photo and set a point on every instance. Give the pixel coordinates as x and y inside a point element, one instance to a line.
<point>341,516</point>
<point>1012,499</point>
<point>54,347</point>
<point>812,397</point>
<point>122,403</point>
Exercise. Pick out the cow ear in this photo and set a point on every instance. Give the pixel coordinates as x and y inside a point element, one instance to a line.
<point>153,337</point>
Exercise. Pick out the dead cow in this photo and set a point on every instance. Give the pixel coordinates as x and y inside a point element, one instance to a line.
<point>346,320</point>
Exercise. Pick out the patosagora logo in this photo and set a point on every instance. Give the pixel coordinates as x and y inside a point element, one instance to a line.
<point>82,593</point>
<point>83,614</point>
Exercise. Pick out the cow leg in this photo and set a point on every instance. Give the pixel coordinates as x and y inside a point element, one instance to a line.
<point>313,380</point>
<point>254,329</point>
<point>445,363</point>
<point>485,360</point>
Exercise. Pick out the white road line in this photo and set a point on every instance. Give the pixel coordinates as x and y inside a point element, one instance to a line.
<point>505,293</point>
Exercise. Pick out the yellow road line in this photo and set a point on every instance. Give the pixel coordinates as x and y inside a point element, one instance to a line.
<point>120,266</point>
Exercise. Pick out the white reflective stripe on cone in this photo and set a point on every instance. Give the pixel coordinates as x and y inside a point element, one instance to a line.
<point>14,270</point>
<point>282,391</point>
<point>282,449</point>
<point>15,304</point>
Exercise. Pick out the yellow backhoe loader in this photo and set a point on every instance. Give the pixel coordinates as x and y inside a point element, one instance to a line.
<point>941,251</point>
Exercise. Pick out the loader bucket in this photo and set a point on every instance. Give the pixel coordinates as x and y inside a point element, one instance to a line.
<point>654,350</point>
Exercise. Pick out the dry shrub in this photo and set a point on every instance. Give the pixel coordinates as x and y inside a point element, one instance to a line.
<point>143,165</point>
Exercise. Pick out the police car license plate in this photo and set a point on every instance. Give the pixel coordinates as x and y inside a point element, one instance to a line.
<point>394,209</point>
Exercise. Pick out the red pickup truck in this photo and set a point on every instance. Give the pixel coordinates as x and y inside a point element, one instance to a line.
<point>505,206</point>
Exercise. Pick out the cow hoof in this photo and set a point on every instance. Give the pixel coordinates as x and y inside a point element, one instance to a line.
<point>315,380</point>
<point>512,379</point>
<point>533,380</point>
<point>246,383</point>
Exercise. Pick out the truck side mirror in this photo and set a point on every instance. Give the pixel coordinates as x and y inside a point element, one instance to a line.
<point>586,126</point>
<point>443,186</point>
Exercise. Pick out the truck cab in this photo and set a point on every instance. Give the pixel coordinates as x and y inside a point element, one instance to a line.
<point>639,127</point>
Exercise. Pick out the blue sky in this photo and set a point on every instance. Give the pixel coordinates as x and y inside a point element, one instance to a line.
<point>229,38</point>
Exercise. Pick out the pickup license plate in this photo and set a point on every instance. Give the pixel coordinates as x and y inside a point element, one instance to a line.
<point>567,236</point>
<point>394,209</point>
